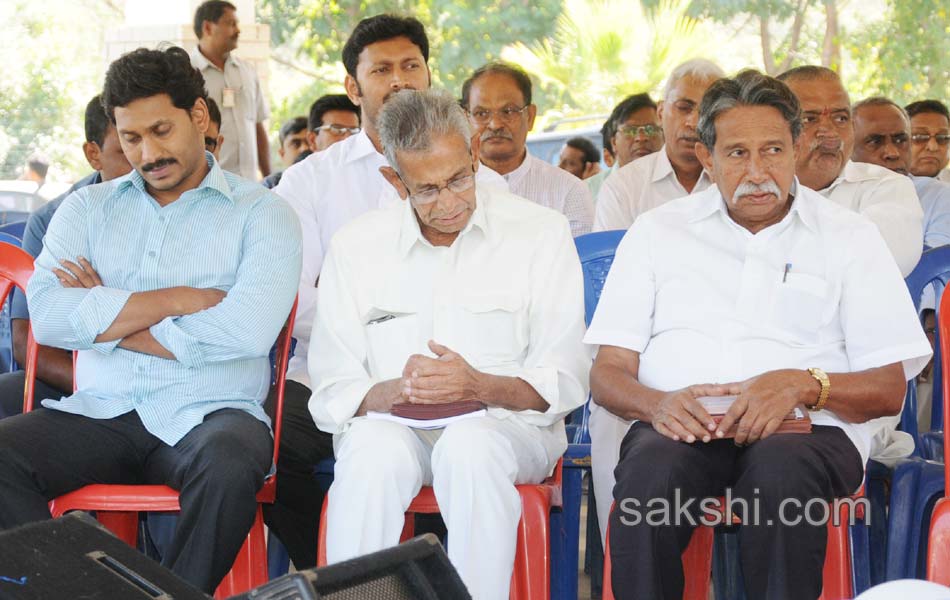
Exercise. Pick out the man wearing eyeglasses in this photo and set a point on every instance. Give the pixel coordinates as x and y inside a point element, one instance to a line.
<point>333,118</point>
<point>383,55</point>
<point>670,173</point>
<point>883,137</point>
<point>824,165</point>
<point>498,99</point>
<point>460,293</point>
<point>930,134</point>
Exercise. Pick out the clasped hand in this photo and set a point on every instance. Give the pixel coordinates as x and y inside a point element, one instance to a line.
<point>446,378</point>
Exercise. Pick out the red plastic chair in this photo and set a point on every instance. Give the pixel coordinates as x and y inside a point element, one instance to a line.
<point>938,547</point>
<point>531,577</point>
<point>117,506</point>
<point>697,560</point>
<point>16,268</point>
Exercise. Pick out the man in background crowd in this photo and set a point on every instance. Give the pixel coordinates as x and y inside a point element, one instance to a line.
<point>580,158</point>
<point>930,135</point>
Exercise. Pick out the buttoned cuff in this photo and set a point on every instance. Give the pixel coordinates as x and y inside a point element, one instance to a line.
<point>334,408</point>
<point>187,349</point>
<point>94,314</point>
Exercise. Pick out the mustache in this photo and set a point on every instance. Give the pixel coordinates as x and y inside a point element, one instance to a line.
<point>825,145</point>
<point>496,133</point>
<point>748,188</point>
<point>158,164</point>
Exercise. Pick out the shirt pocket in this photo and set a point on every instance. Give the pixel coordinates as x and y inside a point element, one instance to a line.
<point>491,328</point>
<point>799,307</point>
<point>392,335</point>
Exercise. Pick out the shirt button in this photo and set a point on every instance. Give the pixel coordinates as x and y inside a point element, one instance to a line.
<point>151,253</point>
<point>161,218</point>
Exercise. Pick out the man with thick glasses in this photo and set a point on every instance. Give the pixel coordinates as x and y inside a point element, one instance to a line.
<point>672,172</point>
<point>882,137</point>
<point>825,165</point>
<point>930,134</point>
<point>498,99</point>
<point>460,293</point>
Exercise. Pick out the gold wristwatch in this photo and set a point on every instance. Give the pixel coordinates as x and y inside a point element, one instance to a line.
<point>822,378</point>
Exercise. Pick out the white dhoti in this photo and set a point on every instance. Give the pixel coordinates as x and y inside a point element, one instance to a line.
<point>472,465</point>
<point>606,434</point>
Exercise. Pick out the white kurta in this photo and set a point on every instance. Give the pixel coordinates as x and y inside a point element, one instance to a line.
<point>508,296</point>
<point>703,300</point>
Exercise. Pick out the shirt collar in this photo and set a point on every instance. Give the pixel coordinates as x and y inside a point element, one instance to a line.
<point>410,233</point>
<point>201,61</point>
<point>521,172</point>
<point>663,168</point>
<point>214,180</point>
<point>853,172</point>
<point>361,147</point>
<point>710,203</point>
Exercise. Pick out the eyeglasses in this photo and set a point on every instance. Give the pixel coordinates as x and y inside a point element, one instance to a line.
<point>876,141</point>
<point>338,129</point>
<point>509,114</point>
<point>210,144</point>
<point>942,139</point>
<point>430,195</point>
<point>637,130</point>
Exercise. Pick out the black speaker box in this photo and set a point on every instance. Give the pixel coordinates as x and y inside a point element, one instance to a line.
<point>415,570</point>
<point>74,557</point>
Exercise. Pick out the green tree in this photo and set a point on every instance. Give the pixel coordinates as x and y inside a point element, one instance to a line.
<point>308,37</point>
<point>603,50</point>
<point>48,77</point>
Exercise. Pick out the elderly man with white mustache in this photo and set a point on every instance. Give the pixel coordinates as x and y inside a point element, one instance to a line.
<point>885,197</point>
<point>756,290</point>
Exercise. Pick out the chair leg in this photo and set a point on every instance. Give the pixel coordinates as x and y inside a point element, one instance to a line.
<point>250,566</point>
<point>697,564</point>
<point>836,574</point>
<point>531,576</point>
<point>125,525</point>
<point>565,536</point>
<point>938,551</point>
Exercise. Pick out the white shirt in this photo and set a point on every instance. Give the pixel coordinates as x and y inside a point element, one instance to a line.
<point>507,295</point>
<point>329,189</point>
<point>638,186</point>
<point>944,175</point>
<point>550,186</point>
<point>703,299</point>
<point>239,122</point>
<point>890,201</point>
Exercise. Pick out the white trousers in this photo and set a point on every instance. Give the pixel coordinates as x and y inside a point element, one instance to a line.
<point>606,434</point>
<point>472,465</point>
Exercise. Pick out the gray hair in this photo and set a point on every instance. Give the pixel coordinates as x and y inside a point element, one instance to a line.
<point>879,101</point>
<point>748,88</point>
<point>410,119</point>
<point>697,68</point>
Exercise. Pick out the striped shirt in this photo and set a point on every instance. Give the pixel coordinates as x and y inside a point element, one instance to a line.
<point>555,188</point>
<point>228,233</point>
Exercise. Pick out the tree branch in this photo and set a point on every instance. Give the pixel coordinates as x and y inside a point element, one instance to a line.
<point>291,65</point>
<point>795,35</point>
<point>768,60</point>
<point>831,50</point>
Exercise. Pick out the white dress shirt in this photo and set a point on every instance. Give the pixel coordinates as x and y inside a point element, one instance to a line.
<point>239,122</point>
<point>550,186</point>
<point>706,301</point>
<point>507,295</point>
<point>329,189</point>
<point>890,201</point>
<point>638,186</point>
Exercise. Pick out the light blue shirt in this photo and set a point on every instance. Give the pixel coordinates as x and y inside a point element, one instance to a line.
<point>228,233</point>
<point>935,200</point>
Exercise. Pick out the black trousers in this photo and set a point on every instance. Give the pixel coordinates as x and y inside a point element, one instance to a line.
<point>11,393</point>
<point>295,515</point>
<point>217,468</point>
<point>780,560</point>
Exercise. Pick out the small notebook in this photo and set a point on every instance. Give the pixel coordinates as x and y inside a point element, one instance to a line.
<point>431,416</point>
<point>797,421</point>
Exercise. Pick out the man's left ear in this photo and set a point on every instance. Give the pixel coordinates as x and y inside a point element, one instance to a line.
<point>393,178</point>
<point>532,113</point>
<point>704,156</point>
<point>200,116</point>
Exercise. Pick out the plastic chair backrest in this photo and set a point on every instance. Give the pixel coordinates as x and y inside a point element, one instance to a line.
<point>596,252</point>
<point>9,238</point>
<point>16,268</point>
<point>933,267</point>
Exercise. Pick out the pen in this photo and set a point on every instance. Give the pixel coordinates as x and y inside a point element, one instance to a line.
<point>788,267</point>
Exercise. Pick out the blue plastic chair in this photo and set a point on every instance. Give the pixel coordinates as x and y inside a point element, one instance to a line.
<point>596,252</point>
<point>916,483</point>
